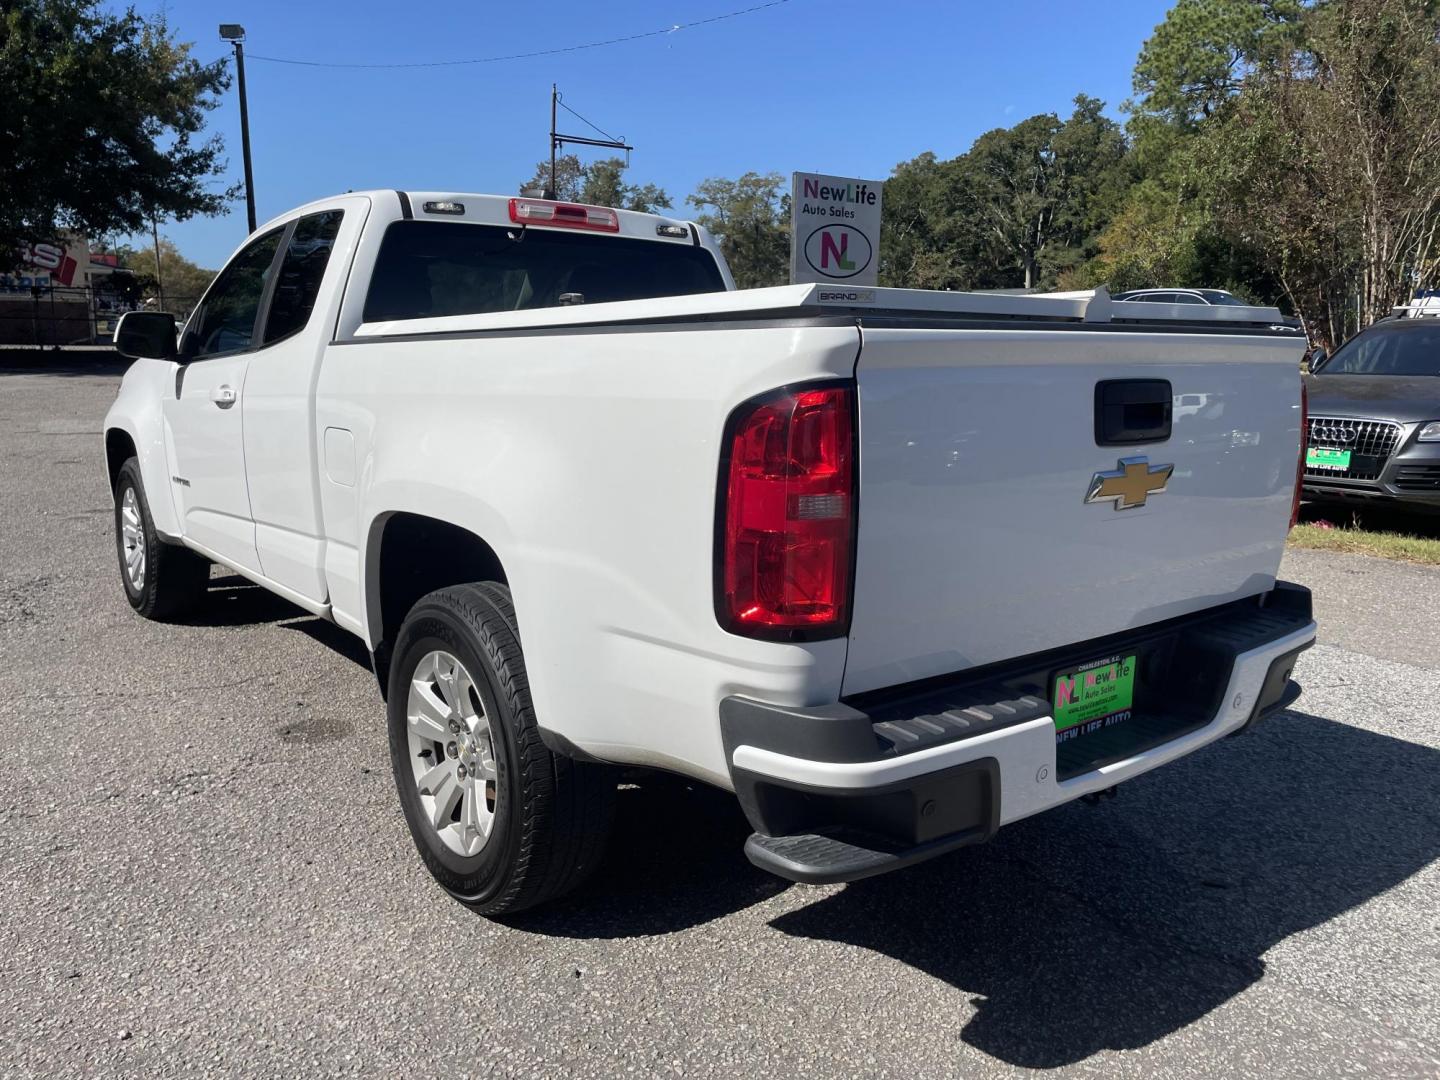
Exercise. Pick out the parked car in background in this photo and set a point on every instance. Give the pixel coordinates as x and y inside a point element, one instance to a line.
<point>1181,296</point>
<point>1375,415</point>
<point>1205,297</point>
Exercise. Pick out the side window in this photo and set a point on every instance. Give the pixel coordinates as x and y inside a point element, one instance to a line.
<point>1371,353</point>
<point>1188,298</point>
<point>226,320</point>
<point>301,269</point>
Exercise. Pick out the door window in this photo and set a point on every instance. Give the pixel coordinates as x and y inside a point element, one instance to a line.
<point>226,320</point>
<point>301,271</point>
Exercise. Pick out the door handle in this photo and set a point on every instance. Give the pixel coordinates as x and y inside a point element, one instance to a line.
<point>224,396</point>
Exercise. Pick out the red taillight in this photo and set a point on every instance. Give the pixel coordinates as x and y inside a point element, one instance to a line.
<point>567,215</point>
<point>788,516</point>
<point>1304,441</point>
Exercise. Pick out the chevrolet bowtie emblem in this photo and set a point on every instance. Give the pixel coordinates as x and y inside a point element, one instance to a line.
<point>1129,485</point>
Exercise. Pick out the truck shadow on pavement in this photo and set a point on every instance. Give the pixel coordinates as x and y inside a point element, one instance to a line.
<point>1085,929</point>
<point>1080,930</point>
<point>675,857</point>
<point>231,600</point>
<point>674,862</point>
<point>1108,928</point>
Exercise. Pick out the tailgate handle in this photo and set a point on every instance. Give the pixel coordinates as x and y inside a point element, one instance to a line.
<point>1129,411</point>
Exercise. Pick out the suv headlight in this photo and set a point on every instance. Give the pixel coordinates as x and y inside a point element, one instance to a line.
<point>1429,432</point>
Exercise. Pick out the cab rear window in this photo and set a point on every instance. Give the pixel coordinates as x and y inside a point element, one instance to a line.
<point>431,268</point>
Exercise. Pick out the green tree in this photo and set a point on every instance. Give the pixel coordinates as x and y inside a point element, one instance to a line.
<point>930,237</point>
<point>1041,191</point>
<point>568,179</point>
<point>1163,231</point>
<point>919,248</point>
<point>1290,152</point>
<point>601,183</point>
<point>604,185</point>
<point>909,223</point>
<point>647,198</point>
<point>1198,58</point>
<point>101,122</point>
<point>183,280</point>
<point>1023,206</point>
<point>751,218</point>
<point>1166,230</point>
<point>1329,162</point>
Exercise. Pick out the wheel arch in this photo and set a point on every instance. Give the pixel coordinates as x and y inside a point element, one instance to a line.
<point>119,448</point>
<point>409,555</point>
<point>135,426</point>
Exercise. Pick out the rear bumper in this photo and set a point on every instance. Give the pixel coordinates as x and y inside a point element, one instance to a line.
<point>854,789</point>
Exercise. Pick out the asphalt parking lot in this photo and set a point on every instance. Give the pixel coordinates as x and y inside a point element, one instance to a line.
<point>204,868</point>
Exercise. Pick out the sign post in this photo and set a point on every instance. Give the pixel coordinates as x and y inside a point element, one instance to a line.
<point>834,230</point>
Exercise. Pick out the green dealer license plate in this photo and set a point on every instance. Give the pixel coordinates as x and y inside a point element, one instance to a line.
<point>1319,458</point>
<point>1094,692</point>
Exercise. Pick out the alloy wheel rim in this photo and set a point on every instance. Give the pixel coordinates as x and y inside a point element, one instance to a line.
<point>452,753</point>
<point>132,540</point>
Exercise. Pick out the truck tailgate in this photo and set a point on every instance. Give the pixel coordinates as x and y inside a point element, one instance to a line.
<point>978,448</point>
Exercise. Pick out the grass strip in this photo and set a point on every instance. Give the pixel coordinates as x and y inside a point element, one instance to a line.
<point>1386,545</point>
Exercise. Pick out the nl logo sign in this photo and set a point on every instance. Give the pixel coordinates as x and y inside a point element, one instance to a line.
<point>834,229</point>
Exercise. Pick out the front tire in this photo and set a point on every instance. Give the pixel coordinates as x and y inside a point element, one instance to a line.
<point>501,822</point>
<point>161,580</point>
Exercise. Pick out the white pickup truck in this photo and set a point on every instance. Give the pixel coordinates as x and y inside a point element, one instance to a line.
<point>896,567</point>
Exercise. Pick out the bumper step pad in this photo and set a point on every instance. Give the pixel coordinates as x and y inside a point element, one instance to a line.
<point>814,859</point>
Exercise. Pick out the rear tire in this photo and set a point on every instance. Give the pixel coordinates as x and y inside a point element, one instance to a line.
<point>161,580</point>
<point>501,822</point>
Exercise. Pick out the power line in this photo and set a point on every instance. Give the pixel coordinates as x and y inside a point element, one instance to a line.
<point>530,55</point>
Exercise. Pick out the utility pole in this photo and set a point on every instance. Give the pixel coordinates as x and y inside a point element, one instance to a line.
<point>558,140</point>
<point>159,282</point>
<point>235,34</point>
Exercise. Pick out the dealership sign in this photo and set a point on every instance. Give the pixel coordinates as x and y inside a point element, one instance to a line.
<point>46,265</point>
<point>834,229</point>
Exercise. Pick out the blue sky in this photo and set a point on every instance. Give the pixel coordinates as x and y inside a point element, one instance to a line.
<point>848,87</point>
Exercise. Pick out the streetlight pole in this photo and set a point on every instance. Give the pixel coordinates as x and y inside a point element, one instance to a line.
<point>235,34</point>
<point>159,281</point>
